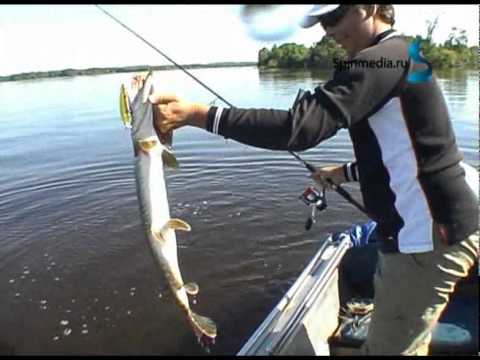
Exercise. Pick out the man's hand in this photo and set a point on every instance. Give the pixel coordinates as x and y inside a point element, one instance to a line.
<point>172,112</point>
<point>332,172</point>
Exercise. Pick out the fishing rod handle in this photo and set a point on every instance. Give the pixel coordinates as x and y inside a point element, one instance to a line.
<point>347,196</point>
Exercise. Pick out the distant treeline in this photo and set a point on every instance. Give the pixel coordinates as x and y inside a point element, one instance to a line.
<point>290,55</point>
<point>453,53</point>
<point>97,71</point>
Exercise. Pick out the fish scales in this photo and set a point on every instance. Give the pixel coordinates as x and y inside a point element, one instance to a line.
<point>151,158</point>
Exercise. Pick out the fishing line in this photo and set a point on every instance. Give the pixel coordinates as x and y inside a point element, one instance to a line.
<point>164,55</point>
<point>309,166</point>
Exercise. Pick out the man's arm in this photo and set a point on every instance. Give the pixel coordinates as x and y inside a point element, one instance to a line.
<point>339,174</point>
<point>352,96</point>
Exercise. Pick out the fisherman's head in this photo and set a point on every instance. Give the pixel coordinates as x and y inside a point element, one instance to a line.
<point>354,27</point>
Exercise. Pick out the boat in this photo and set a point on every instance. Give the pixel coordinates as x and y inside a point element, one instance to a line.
<point>328,309</point>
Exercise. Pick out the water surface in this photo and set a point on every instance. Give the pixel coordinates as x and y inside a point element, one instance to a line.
<point>76,274</point>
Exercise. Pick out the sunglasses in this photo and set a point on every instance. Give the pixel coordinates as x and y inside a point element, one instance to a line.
<point>333,18</point>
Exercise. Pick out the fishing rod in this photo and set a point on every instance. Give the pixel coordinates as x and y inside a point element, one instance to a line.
<point>164,55</point>
<point>339,189</point>
<point>342,192</point>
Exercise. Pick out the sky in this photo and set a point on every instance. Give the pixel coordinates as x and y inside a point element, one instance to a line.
<point>54,37</point>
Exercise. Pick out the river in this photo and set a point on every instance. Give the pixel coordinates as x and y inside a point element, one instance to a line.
<point>76,274</point>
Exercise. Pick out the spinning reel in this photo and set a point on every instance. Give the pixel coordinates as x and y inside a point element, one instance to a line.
<point>316,200</point>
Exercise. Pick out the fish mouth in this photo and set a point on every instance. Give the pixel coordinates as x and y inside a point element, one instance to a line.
<point>139,85</point>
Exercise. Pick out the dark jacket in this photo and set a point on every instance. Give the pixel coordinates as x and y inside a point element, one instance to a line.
<point>405,148</point>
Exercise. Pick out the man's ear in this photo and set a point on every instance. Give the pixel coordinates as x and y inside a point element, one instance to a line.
<point>366,11</point>
<point>372,10</point>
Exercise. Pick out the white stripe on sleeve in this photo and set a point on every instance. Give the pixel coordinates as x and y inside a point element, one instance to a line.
<point>349,171</point>
<point>216,121</point>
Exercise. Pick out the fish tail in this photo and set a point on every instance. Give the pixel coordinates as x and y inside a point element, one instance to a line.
<point>203,326</point>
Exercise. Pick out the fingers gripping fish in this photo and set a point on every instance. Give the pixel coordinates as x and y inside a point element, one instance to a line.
<point>151,156</point>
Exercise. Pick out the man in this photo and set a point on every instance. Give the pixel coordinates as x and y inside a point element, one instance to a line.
<point>407,163</point>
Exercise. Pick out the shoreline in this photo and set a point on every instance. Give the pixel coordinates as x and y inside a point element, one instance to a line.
<point>35,75</point>
<point>112,70</point>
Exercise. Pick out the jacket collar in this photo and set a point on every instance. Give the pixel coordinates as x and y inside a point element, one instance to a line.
<point>384,36</point>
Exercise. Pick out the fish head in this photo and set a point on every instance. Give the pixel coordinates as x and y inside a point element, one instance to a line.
<point>141,86</point>
<point>134,103</point>
<point>138,114</point>
<point>135,107</point>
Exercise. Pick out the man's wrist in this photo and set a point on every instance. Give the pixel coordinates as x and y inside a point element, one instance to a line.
<point>350,171</point>
<point>198,115</point>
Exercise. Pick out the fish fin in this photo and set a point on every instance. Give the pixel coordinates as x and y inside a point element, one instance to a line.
<point>169,159</point>
<point>158,234</point>
<point>174,224</point>
<point>191,288</point>
<point>177,224</point>
<point>147,145</point>
<point>204,325</point>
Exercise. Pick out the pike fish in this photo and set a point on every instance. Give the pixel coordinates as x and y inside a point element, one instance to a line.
<point>152,155</point>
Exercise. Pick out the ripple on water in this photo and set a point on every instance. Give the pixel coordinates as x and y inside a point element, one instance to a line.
<point>68,205</point>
